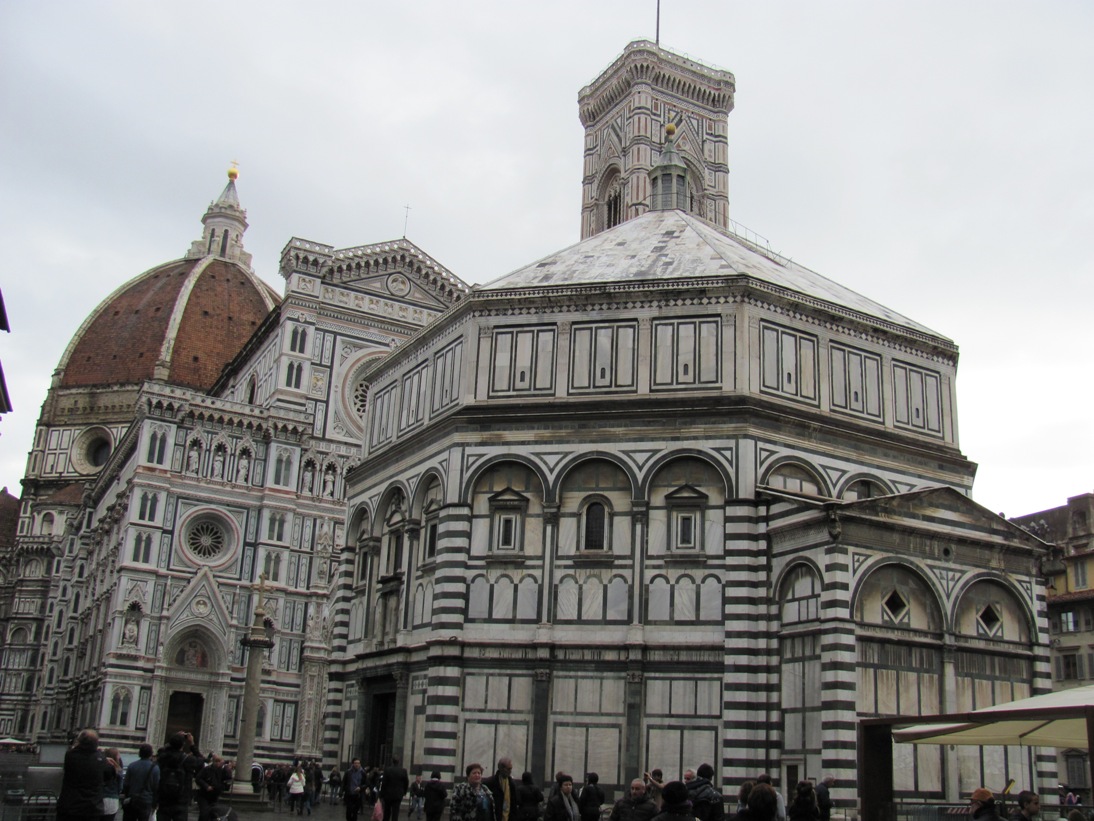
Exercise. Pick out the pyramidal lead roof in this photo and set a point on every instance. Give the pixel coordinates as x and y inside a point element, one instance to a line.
<point>673,245</point>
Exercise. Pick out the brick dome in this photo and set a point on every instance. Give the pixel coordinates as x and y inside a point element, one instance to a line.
<point>181,323</point>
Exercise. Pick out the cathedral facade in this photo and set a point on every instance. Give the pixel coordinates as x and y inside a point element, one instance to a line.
<point>194,441</point>
<point>661,498</point>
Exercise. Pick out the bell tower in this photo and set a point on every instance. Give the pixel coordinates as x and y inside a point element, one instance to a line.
<point>625,111</point>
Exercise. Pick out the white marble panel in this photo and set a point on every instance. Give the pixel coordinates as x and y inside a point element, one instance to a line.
<point>527,598</point>
<point>683,697</point>
<point>478,599</point>
<point>886,692</point>
<point>520,693</point>
<point>708,697</point>
<point>684,601</point>
<point>474,692</point>
<point>612,699</point>
<point>478,743</point>
<point>511,740</point>
<point>658,600</point>
<point>603,746</point>
<point>564,695</point>
<point>657,696</point>
<point>710,600</point>
<point>588,697</point>
<point>566,600</point>
<point>503,599</point>
<point>592,600</point>
<point>618,598</point>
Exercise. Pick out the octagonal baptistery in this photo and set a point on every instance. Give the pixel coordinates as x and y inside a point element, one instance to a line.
<point>596,477</point>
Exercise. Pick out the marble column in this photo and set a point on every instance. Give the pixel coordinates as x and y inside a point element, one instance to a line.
<point>257,643</point>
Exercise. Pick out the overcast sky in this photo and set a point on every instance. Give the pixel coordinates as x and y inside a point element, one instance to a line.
<point>937,157</point>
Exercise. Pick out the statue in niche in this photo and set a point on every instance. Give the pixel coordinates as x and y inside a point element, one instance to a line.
<point>328,483</point>
<point>130,633</point>
<point>193,458</point>
<point>243,468</point>
<point>309,478</point>
<point>218,464</point>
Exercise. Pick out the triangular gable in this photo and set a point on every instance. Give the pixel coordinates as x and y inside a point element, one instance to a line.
<point>936,505</point>
<point>200,603</point>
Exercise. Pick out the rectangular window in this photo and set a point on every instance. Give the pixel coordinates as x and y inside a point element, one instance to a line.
<point>856,382</point>
<point>917,398</point>
<point>1078,570</point>
<point>507,531</point>
<point>789,362</point>
<point>523,360</point>
<point>685,530</point>
<point>430,540</point>
<point>446,376</point>
<point>1071,665</point>
<point>414,388</point>
<point>1068,622</point>
<point>383,415</point>
<point>686,353</point>
<point>602,357</point>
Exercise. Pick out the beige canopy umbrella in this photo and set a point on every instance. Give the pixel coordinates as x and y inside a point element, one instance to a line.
<point>1060,719</point>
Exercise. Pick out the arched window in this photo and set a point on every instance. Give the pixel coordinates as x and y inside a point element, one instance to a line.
<point>46,524</point>
<point>275,527</point>
<point>142,548</point>
<point>157,446</point>
<point>594,527</point>
<point>282,469</point>
<point>149,504</point>
<point>119,708</point>
<point>252,389</point>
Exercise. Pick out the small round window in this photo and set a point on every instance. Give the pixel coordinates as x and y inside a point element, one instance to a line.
<point>91,450</point>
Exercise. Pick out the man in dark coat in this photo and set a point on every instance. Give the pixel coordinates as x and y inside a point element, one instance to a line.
<point>635,807</point>
<point>178,764</point>
<point>824,797</point>
<point>85,772</point>
<point>503,788</point>
<point>393,787</point>
<point>211,782</point>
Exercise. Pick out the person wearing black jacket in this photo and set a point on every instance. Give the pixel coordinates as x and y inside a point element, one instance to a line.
<point>706,801</point>
<point>529,797</point>
<point>393,786</point>
<point>178,758</point>
<point>591,798</point>
<point>503,789</point>
<point>85,772</point>
<point>211,782</point>
<point>434,794</point>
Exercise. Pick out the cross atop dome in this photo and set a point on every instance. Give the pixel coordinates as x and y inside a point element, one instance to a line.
<point>225,222</point>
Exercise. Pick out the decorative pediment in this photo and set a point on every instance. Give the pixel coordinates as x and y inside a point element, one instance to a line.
<point>686,495</point>
<point>508,498</point>
<point>199,603</point>
<point>940,508</point>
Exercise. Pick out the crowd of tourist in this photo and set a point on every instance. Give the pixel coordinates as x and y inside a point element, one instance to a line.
<point>97,785</point>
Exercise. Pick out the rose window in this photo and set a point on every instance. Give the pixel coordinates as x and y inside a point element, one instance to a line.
<point>360,399</point>
<point>206,539</point>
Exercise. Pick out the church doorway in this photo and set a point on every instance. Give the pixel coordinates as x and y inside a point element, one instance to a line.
<point>184,714</point>
<point>381,737</point>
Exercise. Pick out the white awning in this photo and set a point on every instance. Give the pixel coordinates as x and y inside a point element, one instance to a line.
<point>1064,718</point>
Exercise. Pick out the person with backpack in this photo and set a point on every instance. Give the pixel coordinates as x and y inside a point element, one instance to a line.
<point>177,767</point>
<point>142,782</point>
<point>706,800</point>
